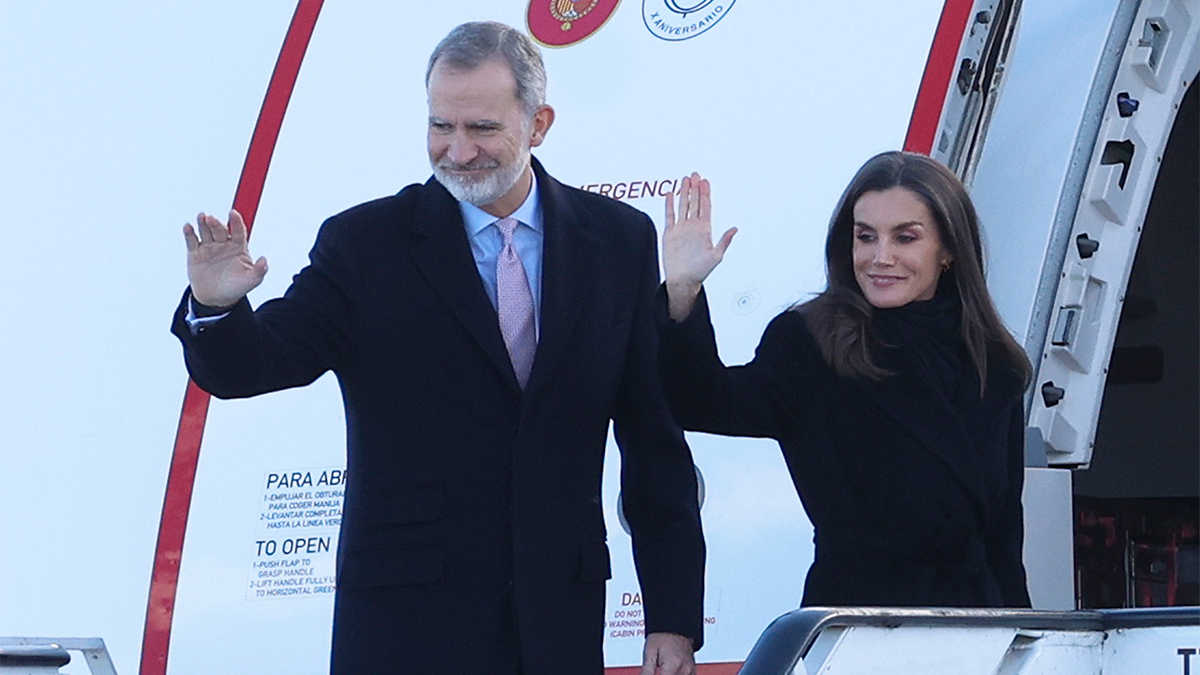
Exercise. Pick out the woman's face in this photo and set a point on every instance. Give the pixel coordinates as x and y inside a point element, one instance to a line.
<point>898,253</point>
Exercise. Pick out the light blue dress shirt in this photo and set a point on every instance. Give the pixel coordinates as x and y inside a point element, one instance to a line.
<point>486,242</point>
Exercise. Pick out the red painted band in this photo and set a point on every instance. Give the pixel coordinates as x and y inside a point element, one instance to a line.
<point>164,581</point>
<point>939,69</point>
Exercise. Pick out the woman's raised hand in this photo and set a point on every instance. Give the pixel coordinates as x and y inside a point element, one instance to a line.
<point>689,254</point>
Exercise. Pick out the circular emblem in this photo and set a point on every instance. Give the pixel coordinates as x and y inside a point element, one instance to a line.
<point>677,20</point>
<point>561,23</point>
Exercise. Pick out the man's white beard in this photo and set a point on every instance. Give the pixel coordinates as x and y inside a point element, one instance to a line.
<point>485,190</point>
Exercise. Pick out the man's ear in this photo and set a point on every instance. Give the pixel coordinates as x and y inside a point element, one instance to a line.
<point>543,119</point>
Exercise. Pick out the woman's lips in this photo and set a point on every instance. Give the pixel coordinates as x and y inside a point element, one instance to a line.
<point>884,280</point>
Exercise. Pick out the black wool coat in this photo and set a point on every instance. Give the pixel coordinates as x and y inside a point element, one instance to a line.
<point>915,499</point>
<point>473,537</point>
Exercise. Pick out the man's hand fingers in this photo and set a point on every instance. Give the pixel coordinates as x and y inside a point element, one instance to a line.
<point>202,233</point>
<point>664,663</point>
<point>203,228</point>
<point>207,226</point>
<point>212,230</point>
<point>668,654</point>
<point>650,656</point>
<point>237,228</point>
<point>190,238</point>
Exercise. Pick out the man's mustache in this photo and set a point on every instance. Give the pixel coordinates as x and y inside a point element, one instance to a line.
<point>470,166</point>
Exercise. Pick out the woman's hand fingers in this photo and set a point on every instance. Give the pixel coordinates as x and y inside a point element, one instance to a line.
<point>726,239</point>
<point>695,202</point>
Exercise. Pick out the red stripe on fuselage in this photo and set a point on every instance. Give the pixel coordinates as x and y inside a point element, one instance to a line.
<point>164,582</point>
<point>939,69</point>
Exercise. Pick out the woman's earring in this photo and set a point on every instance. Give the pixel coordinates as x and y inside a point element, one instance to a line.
<point>945,265</point>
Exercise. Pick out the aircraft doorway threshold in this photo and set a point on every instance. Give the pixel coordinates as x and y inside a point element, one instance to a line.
<point>1136,506</point>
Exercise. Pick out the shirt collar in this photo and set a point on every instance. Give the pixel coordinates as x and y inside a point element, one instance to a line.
<point>476,219</point>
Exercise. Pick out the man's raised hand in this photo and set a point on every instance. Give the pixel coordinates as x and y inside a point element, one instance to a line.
<point>220,269</point>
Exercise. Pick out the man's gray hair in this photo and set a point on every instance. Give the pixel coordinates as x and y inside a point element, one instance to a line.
<point>471,44</point>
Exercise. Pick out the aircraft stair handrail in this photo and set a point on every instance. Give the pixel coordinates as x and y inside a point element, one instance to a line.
<point>788,638</point>
<point>1147,617</point>
<point>47,650</point>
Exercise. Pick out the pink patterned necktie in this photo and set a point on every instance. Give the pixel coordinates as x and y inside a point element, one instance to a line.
<point>514,304</point>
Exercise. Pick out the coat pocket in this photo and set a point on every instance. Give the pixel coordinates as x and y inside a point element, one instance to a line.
<point>416,564</point>
<point>594,565</point>
<point>408,504</point>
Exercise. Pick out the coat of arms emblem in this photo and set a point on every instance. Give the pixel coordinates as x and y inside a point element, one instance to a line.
<point>560,23</point>
<point>569,11</point>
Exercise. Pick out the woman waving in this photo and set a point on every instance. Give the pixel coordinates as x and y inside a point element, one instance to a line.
<point>895,395</point>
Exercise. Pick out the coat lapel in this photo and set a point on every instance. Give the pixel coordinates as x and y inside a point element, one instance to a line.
<point>570,262</point>
<point>443,255</point>
<point>920,407</point>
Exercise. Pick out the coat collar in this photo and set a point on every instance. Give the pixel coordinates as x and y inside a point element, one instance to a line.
<point>443,256</point>
<point>569,267</point>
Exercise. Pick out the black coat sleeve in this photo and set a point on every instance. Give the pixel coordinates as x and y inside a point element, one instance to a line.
<point>1007,534</point>
<point>288,341</point>
<point>758,399</point>
<point>658,479</point>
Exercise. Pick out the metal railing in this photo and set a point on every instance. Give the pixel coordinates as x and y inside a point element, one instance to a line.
<point>787,639</point>
<point>22,650</point>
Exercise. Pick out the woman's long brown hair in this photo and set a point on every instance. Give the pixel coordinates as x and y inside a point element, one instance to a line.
<point>840,318</point>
